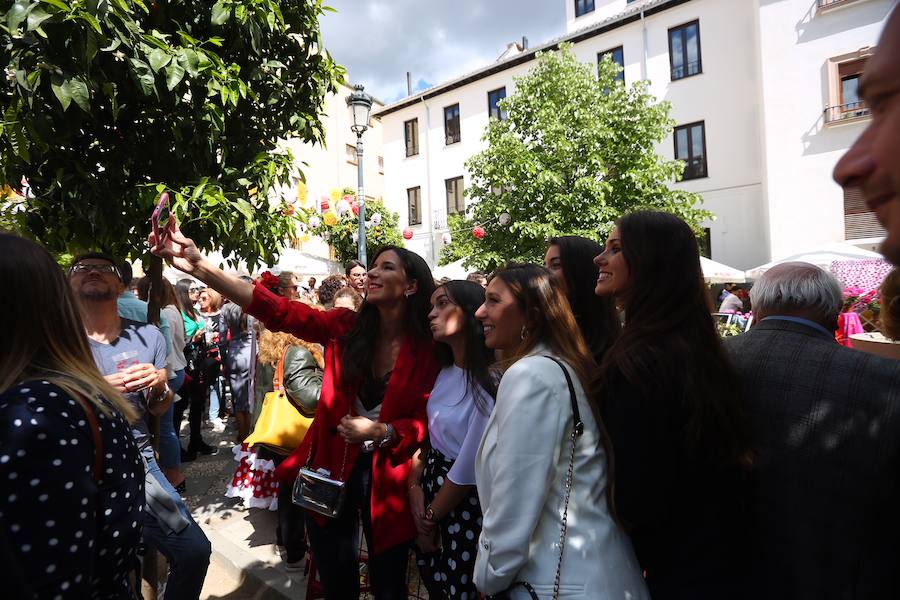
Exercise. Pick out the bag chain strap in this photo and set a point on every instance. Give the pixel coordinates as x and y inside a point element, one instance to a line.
<point>577,430</point>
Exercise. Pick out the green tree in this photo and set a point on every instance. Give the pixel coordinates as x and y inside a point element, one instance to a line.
<point>341,231</point>
<point>575,152</point>
<point>106,103</point>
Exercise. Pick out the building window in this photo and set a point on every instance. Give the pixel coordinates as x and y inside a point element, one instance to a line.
<point>411,133</point>
<point>414,200</point>
<point>618,56</point>
<point>494,97</point>
<point>583,7</point>
<point>684,50</point>
<point>455,203</point>
<point>845,73</point>
<point>381,165</point>
<point>690,146</point>
<point>350,151</point>
<point>451,124</point>
<point>705,241</point>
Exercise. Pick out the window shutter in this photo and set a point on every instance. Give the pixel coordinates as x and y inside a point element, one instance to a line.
<point>859,222</point>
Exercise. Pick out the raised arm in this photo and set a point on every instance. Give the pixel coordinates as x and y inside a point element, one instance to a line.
<point>182,253</point>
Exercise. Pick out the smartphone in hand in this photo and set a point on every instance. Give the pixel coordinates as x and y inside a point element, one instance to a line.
<point>161,218</point>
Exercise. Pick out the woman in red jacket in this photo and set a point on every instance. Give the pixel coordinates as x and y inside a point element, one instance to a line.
<point>379,369</point>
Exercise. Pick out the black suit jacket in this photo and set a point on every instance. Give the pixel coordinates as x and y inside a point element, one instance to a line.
<point>825,489</point>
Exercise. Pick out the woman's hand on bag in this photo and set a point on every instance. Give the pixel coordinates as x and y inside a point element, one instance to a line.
<point>356,430</point>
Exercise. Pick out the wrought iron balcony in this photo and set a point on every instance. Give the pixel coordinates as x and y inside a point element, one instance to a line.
<point>846,112</point>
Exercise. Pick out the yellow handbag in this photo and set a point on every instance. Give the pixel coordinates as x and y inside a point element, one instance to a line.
<point>281,426</point>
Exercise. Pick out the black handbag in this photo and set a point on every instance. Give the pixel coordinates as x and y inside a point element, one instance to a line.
<point>577,430</point>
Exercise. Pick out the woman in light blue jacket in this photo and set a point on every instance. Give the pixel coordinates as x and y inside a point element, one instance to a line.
<point>523,465</point>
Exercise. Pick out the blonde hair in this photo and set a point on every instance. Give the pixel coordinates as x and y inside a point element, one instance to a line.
<point>215,299</point>
<point>45,335</point>
<point>272,345</point>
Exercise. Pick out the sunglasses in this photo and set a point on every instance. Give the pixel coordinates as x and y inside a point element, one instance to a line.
<point>81,269</point>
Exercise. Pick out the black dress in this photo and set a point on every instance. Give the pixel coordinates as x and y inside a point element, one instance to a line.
<point>71,537</point>
<point>685,517</point>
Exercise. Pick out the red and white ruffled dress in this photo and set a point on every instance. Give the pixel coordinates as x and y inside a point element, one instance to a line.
<point>254,480</point>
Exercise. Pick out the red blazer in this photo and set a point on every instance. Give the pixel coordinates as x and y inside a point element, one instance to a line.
<point>403,407</point>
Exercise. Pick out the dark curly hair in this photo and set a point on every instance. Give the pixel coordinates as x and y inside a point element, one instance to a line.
<point>329,287</point>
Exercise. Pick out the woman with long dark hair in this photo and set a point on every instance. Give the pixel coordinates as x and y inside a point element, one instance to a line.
<point>199,373</point>
<point>68,506</point>
<point>442,491</point>
<point>379,370</point>
<point>532,464</point>
<point>570,259</point>
<point>673,412</point>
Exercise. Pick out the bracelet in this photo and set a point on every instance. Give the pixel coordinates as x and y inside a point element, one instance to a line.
<point>414,485</point>
<point>388,435</point>
<point>162,395</point>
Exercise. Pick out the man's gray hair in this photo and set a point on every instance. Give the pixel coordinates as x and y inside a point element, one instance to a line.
<point>796,287</point>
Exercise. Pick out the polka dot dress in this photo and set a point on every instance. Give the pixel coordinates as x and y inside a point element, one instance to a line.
<point>71,537</point>
<point>448,572</point>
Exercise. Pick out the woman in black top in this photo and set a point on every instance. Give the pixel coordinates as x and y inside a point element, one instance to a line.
<point>570,259</point>
<point>673,413</point>
<point>73,493</point>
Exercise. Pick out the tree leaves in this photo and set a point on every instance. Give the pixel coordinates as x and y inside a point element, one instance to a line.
<point>165,100</point>
<point>220,13</point>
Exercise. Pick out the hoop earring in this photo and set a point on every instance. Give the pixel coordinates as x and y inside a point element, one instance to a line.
<point>524,333</point>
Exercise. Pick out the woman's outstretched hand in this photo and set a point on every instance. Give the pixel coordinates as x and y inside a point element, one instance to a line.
<point>181,252</point>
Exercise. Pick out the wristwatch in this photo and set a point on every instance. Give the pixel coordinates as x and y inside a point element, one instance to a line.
<point>388,435</point>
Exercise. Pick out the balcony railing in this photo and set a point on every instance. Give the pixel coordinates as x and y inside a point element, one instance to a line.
<point>680,72</point>
<point>845,112</point>
<point>826,4</point>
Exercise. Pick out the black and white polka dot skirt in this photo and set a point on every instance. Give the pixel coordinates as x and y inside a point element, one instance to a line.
<point>448,572</point>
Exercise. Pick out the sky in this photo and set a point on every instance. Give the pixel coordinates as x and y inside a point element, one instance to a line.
<point>378,41</point>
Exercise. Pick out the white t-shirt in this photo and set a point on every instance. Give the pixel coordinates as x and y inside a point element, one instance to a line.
<point>455,423</point>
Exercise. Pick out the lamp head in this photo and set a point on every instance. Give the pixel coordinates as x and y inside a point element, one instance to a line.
<point>360,104</point>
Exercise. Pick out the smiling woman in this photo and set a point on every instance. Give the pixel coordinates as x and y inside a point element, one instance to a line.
<point>379,370</point>
<point>532,461</point>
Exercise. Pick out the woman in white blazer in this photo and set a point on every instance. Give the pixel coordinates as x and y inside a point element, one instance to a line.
<point>522,464</point>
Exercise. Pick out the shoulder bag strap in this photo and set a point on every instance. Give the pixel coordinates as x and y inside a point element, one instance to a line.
<point>577,430</point>
<point>278,380</point>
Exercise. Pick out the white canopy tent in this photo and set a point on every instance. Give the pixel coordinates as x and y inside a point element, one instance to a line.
<point>454,270</point>
<point>821,256</point>
<point>715,272</point>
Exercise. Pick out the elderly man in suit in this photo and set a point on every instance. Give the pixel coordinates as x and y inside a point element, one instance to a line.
<point>873,163</point>
<point>825,425</point>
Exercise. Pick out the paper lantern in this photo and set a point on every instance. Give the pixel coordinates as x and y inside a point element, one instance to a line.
<point>335,195</point>
<point>408,233</point>
<point>355,208</point>
<point>343,206</point>
<point>478,232</point>
<point>330,219</point>
<point>446,239</point>
<point>301,227</point>
<point>347,198</point>
<point>315,222</point>
<point>376,219</point>
<point>324,204</point>
<point>302,193</point>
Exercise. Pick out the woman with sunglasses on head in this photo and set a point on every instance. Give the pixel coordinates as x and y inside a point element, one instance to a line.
<point>570,259</point>
<point>680,445</point>
<point>543,487</point>
<point>379,370</point>
<point>442,482</point>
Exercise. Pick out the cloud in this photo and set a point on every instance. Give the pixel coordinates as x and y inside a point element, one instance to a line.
<point>380,40</point>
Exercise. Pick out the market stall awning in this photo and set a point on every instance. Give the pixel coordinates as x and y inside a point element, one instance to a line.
<point>716,272</point>
<point>821,256</point>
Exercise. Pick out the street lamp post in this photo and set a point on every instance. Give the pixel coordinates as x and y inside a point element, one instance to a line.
<point>360,104</point>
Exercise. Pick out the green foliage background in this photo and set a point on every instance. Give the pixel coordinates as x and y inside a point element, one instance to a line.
<point>575,153</point>
<point>107,102</point>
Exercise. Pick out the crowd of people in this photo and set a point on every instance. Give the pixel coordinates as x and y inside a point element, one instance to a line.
<point>576,429</point>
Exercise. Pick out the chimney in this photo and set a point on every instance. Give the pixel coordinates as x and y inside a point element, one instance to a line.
<point>524,43</point>
<point>408,84</point>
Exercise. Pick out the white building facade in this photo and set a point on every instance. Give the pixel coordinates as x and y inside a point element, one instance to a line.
<point>762,93</point>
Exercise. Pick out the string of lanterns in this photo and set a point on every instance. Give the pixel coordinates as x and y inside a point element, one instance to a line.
<point>478,232</point>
